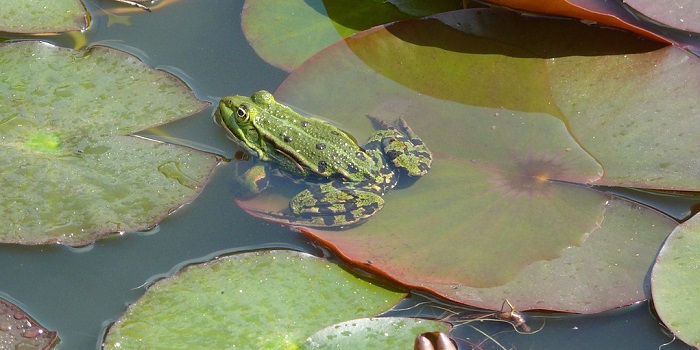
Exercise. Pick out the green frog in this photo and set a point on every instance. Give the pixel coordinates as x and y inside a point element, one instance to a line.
<point>345,181</point>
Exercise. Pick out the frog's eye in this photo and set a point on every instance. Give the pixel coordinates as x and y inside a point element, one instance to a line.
<point>242,114</point>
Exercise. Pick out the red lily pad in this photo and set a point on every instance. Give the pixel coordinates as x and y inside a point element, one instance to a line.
<point>505,206</point>
<point>591,11</point>
<point>679,14</point>
<point>18,330</point>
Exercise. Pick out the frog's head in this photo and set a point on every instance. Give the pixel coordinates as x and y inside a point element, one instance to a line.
<point>237,115</point>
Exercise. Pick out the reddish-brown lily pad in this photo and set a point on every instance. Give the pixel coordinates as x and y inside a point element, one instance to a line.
<point>506,206</point>
<point>679,14</point>
<point>19,331</point>
<point>591,11</point>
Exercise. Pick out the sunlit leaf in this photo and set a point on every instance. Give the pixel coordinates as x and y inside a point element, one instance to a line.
<point>636,113</point>
<point>287,32</point>
<point>258,300</point>
<point>19,331</point>
<point>675,282</point>
<point>504,207</point>
<point>68,175</point>
<point>373,333</point>
<point>38,16</point>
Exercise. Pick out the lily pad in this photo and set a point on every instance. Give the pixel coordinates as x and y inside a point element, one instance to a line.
<point>63,119</point>
<point>373,333</point>
<point>675,282</point>
<point>679,14</point>
<point>507,203</point>
<point>257,300</point>
<point>636,113</point>
<point>287,32</point>
<point>19,331</point>
<point>591,11</point>
<point>37,16</point>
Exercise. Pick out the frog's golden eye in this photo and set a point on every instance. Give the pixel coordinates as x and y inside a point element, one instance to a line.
<point>242,114</point>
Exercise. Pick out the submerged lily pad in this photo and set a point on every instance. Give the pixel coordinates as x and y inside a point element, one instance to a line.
<point>675,282</point>
<point>19,331</point>
<point>257,300</point>
<point>506,205</point>
<point>69,174</point>
<point>38,16</point>
<point>373,333</point>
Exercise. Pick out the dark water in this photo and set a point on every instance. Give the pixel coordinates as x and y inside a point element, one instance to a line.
<point>79,292</point>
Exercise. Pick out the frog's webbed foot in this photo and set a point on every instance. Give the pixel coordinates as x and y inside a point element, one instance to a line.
<point>402,147</point>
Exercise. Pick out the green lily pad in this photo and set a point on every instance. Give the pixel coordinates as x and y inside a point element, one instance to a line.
<point>675,282</point>
<point>287,32</point>
<point>37,16</point>
<point>506,204</point>
<point>373,333</point>
<point>19,331</point>
<point>257,300</point>
<point>63,133</point>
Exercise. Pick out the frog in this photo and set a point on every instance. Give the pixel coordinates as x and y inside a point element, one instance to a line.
<point>344,182</point>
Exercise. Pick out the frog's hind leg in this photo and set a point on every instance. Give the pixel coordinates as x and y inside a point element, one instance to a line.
<point>403,148</point>
<point>332,205</point>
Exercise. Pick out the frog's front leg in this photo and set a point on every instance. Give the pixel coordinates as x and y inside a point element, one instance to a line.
<point>252,181</point>
<point>334,205</point>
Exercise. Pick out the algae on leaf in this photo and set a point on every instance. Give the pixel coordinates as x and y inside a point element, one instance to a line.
<point>41,16</point>
<point>257,300</point>
<point>69,173</point>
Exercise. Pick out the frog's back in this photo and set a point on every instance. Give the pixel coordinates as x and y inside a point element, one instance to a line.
<point>316,146</point>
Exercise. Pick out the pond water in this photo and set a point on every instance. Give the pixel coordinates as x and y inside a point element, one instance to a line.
<point>80,291</point>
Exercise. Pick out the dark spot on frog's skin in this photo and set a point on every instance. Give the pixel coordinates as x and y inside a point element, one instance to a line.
<point>329,220</point>
<point>320,146</point>
<point>322,165</point>
<point>305,123</point>
<point>287,138</point>
<point>393,154</point>
<point>360,156</point>
<point>352,168</point>
<point>335,133</point>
